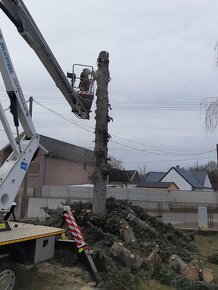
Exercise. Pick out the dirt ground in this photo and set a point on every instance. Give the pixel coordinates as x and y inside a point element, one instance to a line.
<point>50,276</point>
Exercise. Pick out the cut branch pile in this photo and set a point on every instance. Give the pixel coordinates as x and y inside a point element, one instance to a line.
<point>130,247</point>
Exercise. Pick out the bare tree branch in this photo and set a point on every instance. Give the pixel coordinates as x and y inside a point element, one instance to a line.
<point>210,105</point>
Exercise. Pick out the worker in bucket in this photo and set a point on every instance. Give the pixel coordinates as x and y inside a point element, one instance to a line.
<point>11,211</point>
<point>85,80</point>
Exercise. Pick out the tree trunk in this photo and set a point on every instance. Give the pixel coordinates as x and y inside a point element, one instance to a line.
<point>102,77</point>
<point>125,256</point>
<point>189,272</point>
<point>127,232</point>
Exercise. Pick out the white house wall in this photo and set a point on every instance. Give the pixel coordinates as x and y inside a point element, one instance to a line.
<point>173,176</point>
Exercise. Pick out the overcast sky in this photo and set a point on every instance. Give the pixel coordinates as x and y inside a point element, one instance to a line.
<point>162,65</point>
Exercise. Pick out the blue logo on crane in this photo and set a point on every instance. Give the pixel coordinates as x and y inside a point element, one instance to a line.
<point>6,56</point>
<point>23,165</point>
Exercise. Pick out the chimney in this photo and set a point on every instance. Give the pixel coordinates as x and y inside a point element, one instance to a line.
<point>177,166</point>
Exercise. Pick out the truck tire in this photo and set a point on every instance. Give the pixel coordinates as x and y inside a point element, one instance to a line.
<point>7,276</point>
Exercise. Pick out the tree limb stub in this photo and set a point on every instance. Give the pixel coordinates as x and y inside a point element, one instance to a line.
<point>154,257</point>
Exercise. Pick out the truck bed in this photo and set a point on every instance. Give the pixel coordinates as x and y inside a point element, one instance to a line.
<point>21,232</point>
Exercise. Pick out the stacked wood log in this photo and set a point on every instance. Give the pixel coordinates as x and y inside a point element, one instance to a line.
<point>205,273</point>
<point>193,271</point>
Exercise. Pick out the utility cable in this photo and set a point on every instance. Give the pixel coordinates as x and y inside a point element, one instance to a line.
<point>161,152</point>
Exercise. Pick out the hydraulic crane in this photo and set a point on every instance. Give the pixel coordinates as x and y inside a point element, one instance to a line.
<point>13,170</point>
<point>18,13</point>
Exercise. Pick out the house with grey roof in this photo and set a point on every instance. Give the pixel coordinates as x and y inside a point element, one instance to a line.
<point>153,176</point>
<point>57,163</point>
<point>185,180</point>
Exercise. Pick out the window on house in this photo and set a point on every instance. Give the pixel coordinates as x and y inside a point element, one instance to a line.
<point>84,166</point>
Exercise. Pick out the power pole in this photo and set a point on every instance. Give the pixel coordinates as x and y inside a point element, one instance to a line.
<point>102,76</point>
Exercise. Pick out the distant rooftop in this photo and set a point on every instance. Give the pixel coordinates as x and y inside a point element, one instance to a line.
<point>156,184</point>
<point>57,148</point>
<point>195,179</point>
<point>154,176</point>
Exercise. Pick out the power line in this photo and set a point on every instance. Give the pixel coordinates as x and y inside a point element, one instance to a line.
<point>160,151</point>
<point>157,147</point>
<point>151,150</point>
<point>136,104</point>
<point>164,161</point>
<point>61,116</point>
<point>139,104</point>
<point>161,154</point>
<point>147,105</point>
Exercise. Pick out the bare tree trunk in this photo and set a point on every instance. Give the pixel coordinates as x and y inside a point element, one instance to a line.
<point>102,77</point>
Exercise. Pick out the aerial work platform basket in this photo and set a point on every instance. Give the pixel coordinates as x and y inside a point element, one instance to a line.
<point>82,80</point>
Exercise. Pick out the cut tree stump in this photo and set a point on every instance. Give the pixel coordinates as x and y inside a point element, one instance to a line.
<point>206,275</point>
<point>189,272</point>
<point>126,256</point>
<point>127,232</point>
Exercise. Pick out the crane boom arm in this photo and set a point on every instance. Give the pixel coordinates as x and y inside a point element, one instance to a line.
<point>26,26</point>
<point>14,168</point>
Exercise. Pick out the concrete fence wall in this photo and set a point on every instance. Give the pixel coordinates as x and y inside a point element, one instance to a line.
<point>54,196</point>
<point>193,196</point>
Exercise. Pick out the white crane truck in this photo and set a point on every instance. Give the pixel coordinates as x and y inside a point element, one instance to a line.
<point>20,242</point>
